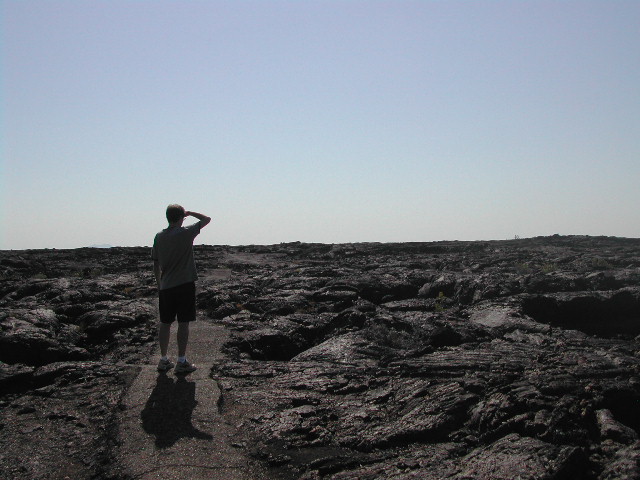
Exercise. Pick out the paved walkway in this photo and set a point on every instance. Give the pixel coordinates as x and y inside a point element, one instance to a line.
<point>170,427</point>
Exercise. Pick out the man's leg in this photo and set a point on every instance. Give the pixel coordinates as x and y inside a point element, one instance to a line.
<point>164,332</point>
<point>167,310</point>
<point>186,313</point>
<point>183,338</point>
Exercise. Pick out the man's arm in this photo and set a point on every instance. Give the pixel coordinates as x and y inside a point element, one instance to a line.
<point>204,220</point>
<point>156,271</point>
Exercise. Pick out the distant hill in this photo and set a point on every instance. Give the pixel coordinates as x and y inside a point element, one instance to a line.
<point>103,245</point>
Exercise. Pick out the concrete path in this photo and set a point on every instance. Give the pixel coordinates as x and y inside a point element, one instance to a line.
<point>170,427</point>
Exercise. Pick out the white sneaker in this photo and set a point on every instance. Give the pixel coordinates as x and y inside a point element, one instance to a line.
<point>164,365</point>
<point>184,367</point>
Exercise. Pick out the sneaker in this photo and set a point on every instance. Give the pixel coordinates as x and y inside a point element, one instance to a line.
<point>184,367</point>
<point>164,365</point>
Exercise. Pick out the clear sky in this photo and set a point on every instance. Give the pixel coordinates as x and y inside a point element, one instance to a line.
<point>319,120</point>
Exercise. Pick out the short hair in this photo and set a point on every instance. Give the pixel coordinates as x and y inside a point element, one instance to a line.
<point>174,212</point>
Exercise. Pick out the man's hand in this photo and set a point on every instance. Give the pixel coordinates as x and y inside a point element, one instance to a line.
<point>157,272</point>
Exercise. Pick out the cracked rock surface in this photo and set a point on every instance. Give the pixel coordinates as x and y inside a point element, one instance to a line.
<point>460,360</point>
<point>73,327</point>
<point>445,360</point>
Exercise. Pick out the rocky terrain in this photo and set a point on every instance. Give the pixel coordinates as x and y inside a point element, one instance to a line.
<point>73,325</point>
<point>445,360</point>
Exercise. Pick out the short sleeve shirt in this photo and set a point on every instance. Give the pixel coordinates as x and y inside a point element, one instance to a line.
<point>173,250</point>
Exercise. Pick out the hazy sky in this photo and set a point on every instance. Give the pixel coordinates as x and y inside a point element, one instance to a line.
<point>319,121</point>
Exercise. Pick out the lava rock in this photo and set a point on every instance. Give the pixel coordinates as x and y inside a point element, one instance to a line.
<point>448,360</point>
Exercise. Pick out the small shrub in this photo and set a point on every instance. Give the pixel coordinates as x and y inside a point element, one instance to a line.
<point>523,268</point>
<point>442,298</point>
<point>601,264</point>
<point>548,268</point>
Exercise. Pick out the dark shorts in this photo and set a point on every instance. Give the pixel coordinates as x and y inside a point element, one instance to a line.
<point>178,302</point>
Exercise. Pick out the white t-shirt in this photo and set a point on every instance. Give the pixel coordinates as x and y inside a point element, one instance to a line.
<point>173,249</point>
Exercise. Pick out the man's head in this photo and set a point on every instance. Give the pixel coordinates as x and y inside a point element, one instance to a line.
<point>175,213</point>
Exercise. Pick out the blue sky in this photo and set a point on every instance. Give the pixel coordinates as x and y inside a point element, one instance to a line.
<point>319,121</point>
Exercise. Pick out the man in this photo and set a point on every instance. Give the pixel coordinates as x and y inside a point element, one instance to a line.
<point>175,272</point>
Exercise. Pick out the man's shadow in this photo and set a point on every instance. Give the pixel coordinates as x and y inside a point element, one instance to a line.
<point>167,414</point>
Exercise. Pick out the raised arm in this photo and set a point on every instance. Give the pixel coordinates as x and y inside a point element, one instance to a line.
<point>204,220</point>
